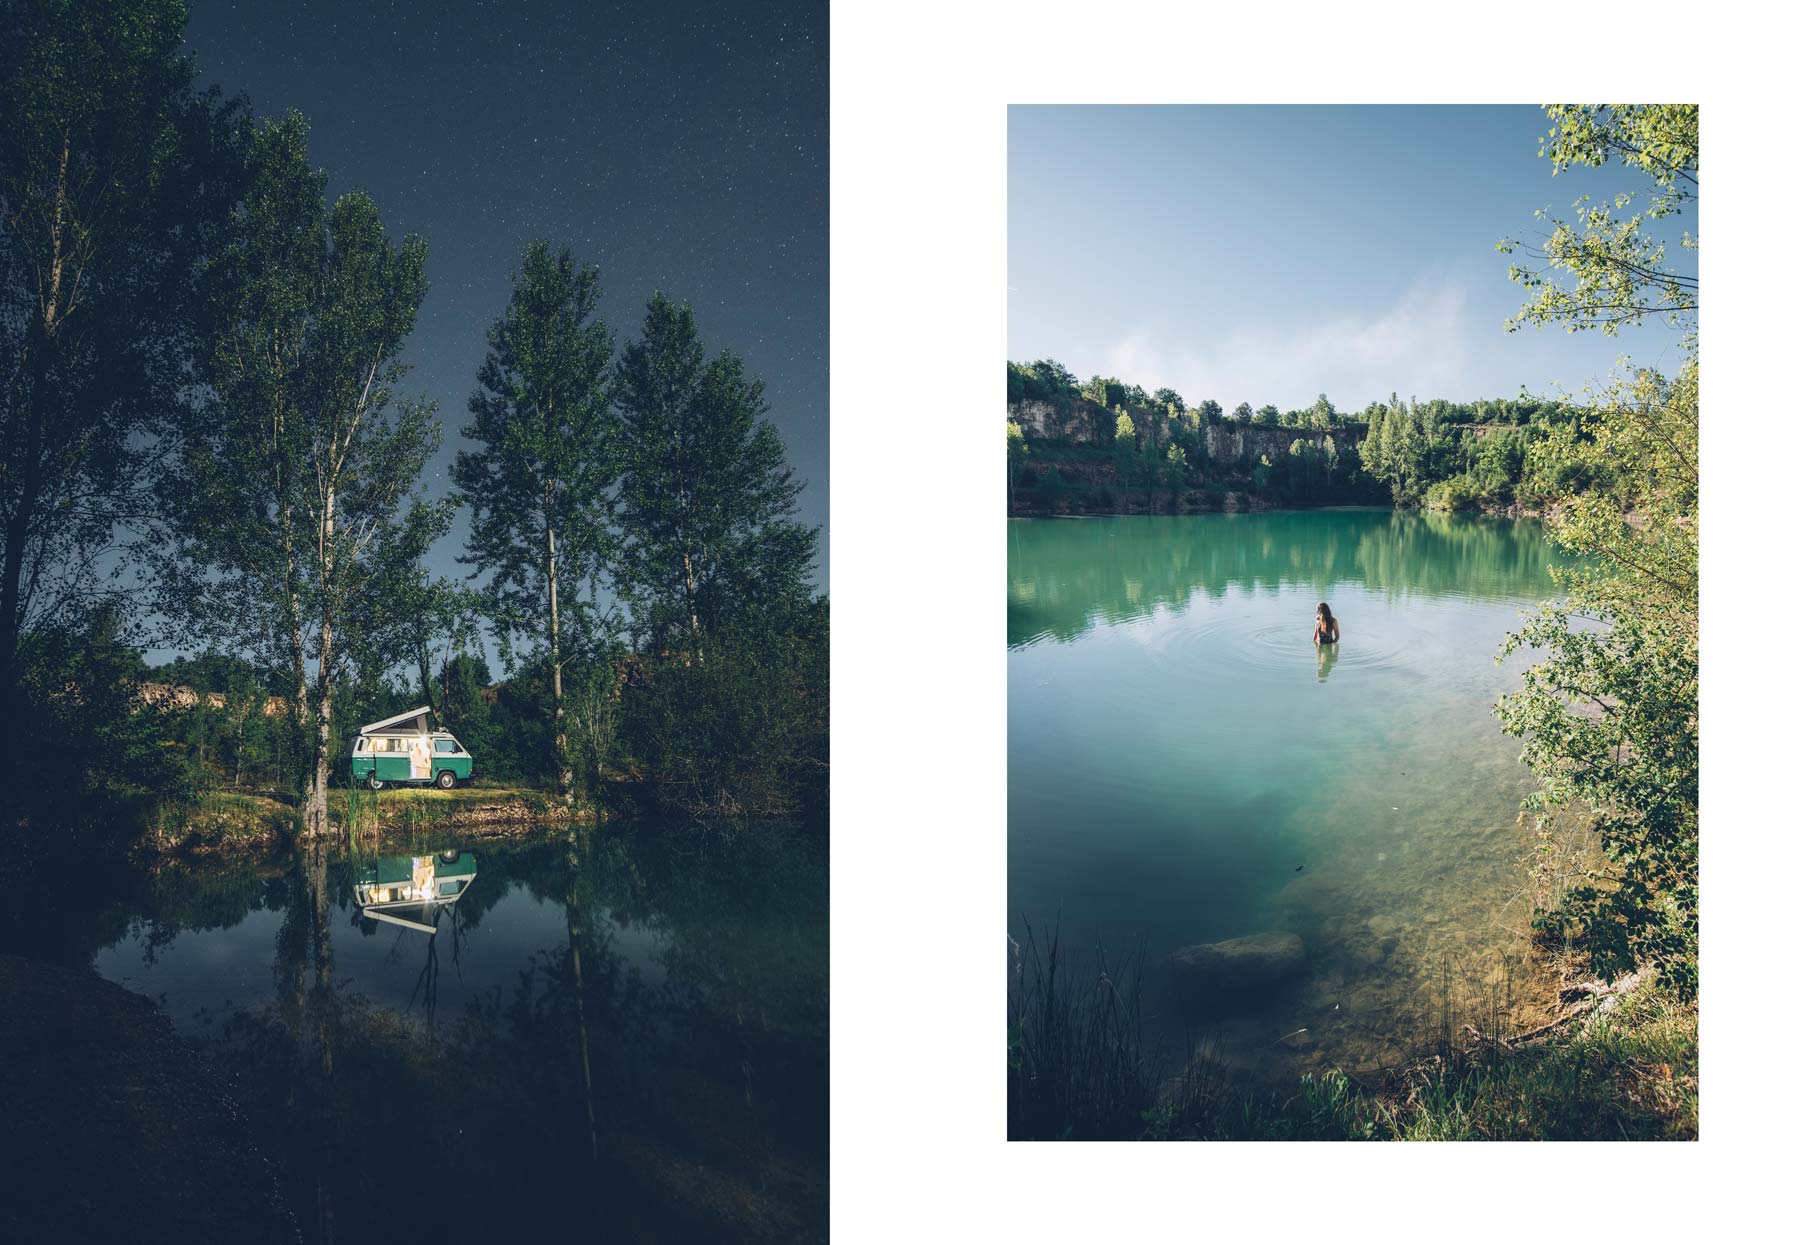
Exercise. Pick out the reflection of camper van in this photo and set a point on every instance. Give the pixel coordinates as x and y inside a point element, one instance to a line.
<point>418,886</point>
<point>401,749</point>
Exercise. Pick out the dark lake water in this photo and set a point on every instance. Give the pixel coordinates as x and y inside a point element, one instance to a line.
<point>623,1038</point>
<point>1185,767</point>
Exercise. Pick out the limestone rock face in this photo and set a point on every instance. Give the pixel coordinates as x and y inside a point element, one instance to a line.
<point>1239,964</point>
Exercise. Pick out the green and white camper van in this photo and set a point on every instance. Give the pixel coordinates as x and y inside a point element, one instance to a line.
<point>401,750</point>
<point>412,891</point>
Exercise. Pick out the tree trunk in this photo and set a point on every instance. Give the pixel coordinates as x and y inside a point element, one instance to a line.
<point>18,529</point>
<point>44,332</point>
<point>687,566</point>
<point>423,656</point>
<point>565,776</point>
<point>296,723</point>
<point>314,816</point>
<point>9,619</point>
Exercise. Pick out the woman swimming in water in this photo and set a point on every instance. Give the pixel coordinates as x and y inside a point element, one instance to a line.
<point>1325,627</point>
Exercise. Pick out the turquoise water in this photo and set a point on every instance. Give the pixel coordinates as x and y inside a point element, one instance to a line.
<point>1184,766</point>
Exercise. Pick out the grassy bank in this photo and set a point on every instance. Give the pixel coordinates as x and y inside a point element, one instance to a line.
<point>1628,1074</point>
<point>1078,1068</point>
<point>240,822</point>
<point>482,812</point>
<point>218,822</point>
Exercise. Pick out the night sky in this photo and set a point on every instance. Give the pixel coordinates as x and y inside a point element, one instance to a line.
<point>681,147</point>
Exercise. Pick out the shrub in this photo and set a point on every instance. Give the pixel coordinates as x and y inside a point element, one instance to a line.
<point>745,731</point>
<point>1458,492</point>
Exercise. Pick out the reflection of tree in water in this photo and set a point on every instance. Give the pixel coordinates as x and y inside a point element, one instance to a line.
<point>700,1110</point>
<point>572,911</point>
<point>1065,576</point>
<point>305,938</point>
<point>1434,554</point>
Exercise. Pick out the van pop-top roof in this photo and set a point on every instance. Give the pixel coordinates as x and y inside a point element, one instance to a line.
<point>391,726</point>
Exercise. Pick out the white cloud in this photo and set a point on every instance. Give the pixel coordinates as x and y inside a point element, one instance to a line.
<point>1422,346</point>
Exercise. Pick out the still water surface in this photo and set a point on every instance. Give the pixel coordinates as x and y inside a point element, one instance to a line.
<point>1185,767</point>
<point>625,1037</point>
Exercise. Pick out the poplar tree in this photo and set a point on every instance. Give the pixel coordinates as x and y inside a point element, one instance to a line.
<point>710,541</point>
<point>285,514</point>
<point>540,482</point>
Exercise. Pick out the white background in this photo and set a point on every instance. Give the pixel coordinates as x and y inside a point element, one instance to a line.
<point>918,333</point>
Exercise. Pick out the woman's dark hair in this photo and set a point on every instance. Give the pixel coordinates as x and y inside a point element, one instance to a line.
<point>1325,613</point>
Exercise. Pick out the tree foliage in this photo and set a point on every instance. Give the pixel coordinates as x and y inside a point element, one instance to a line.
<point>1607,265</point>
<point>1610,716</point>
<point>748,730</point>
<point>707,502</point>
<point>287,508</point>
<point>540,483</point>
<point>198,365</point>
<point>115,177</point>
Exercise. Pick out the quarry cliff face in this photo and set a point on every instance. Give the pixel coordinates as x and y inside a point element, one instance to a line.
<point>1089,423</point>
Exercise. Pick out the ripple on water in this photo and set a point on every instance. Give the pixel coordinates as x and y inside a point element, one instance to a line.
<point>1240,644</point>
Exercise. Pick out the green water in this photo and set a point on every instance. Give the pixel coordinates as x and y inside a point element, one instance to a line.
<point>1185,767</point>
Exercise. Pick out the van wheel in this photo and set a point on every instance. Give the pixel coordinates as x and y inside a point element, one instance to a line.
<point>375,784</point>
<point>446,779</point>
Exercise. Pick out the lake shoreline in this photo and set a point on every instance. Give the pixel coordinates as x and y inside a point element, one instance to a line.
<point>1245,503</point>
<point>239,825</point>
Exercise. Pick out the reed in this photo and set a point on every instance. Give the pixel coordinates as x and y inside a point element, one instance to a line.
<point>1078,1068</point>
<point>1077,1064</point>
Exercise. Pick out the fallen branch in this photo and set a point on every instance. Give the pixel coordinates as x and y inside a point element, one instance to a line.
<point>1589,992</point>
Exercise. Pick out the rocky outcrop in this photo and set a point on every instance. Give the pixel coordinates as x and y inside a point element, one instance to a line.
<point>1238,964</point>
<point>168,696</point>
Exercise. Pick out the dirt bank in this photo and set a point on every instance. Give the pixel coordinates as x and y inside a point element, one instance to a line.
<point>115,1129</point>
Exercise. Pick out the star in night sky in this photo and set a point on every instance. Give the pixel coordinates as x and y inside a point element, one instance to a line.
<point>682,148</point>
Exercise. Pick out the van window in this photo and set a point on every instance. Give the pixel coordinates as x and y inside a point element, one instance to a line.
<point>446,745</point>
<point>362,744</point>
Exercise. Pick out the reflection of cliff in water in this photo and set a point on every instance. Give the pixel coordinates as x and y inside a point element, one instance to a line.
<point>1065,576</point>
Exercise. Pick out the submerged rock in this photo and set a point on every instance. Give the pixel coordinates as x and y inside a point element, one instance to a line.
<point>1239,964</point>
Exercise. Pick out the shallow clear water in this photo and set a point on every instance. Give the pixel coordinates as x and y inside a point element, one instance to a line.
<point>671,981</point>
<point>1185,767</point>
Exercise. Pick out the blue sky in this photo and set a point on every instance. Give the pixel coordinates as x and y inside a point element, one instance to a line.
<point>1269,254</point>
